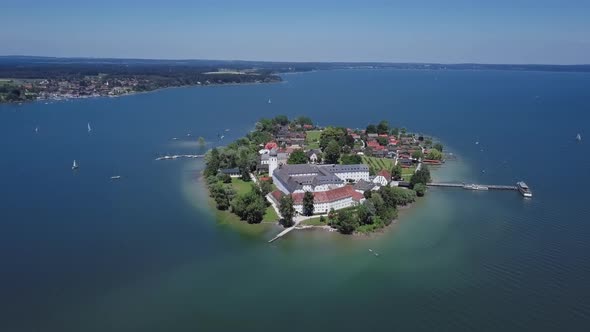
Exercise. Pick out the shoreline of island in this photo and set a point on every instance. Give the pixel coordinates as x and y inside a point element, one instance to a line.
<point>293,173</point>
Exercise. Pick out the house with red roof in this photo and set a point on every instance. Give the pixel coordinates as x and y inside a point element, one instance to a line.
<point>324,201</point>
<point>271,145</point>
<point>382,178</point>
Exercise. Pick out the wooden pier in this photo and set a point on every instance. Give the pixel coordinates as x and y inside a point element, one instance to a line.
<point>466,186</point>
<point>177,156</point>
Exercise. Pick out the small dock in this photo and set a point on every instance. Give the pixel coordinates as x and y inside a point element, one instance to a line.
<point>178,156</point>
<point>466,186</point>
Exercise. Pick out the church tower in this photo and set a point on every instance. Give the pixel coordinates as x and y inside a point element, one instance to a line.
<point>273,161</point>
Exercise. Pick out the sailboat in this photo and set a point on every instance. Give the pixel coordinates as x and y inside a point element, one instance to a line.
<point>269,101</point>
<point>89,128</point>
<point>75,165</point>
<point>578,137</point>
<point>36,130</point>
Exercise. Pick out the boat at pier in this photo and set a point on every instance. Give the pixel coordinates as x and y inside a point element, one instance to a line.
<point>475,187</point>
<point>524,189</point>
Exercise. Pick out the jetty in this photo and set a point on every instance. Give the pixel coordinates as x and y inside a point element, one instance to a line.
<point>471,186</point>
<point>178,156</point>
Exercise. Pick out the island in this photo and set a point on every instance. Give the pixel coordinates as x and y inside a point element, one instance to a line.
<point>298,174</point>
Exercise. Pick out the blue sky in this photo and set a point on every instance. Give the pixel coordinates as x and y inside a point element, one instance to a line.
<point>501,31</point>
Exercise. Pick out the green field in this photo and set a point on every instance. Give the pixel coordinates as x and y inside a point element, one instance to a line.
<point>379,163</point>
<point>407,173</point>
<point>241,186</point>
<point>313,139</point>
<point>313,222</point>
<point>270,215</point>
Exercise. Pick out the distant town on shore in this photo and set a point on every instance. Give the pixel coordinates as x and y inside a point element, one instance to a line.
<point>335,178</point>
<point>27,78</point>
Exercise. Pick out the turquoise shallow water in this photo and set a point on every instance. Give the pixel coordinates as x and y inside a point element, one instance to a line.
<point>82,253</point>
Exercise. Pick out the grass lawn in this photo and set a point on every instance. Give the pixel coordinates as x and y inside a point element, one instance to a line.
<point>312,139</point>
<point>407,173</point>
<point>241,186</point>
<point>314,222</point>
<point>270,215</point>
<point>379,163</point>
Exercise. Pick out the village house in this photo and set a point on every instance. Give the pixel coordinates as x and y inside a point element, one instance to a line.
<point>314,156</point>
<point>382,178</point>
<point>232,172</point>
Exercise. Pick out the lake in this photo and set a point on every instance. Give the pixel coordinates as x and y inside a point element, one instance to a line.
<point>82,252</point>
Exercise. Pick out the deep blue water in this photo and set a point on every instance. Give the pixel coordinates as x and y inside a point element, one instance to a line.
<point>80,252</point>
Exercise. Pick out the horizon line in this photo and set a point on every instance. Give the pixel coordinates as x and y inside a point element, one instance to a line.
<point>296,62</point>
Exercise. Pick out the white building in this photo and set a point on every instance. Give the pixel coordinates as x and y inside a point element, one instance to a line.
<point>316,178</point>
<point>324,201</point>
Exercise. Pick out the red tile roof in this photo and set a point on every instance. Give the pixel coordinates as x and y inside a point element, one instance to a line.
<point>271,145</point>
<point>386,174</point>
<point>277,194</point>
<point>330,195</point>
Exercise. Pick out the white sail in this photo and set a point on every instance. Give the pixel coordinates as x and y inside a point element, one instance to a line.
<point>89,128</point>
<point>74,165</point>
<point>579,137</point>
<point>269,101</point>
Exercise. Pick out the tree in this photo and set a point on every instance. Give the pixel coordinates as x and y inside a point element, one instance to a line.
<point>371,129</point>
<point>351,159</point>
<point>225,178</point>
<point>403,196</point>
<point>396,172</point>
<point>382,141</point>
<point>212,162</point>
<point>417,154</point>
<point>438,146</point>
<point>266,125</point>
<point>395,132</point>
<point>383,127</point>
<point>420,189</point>
<point>346,223</point>
<point>201,141</point>
<point>308,203</point>
<point>332,153</point>
<point>303,120</point>
<point>286,210</point>
<point>249,207</point>
<point>297,157</point>
<point>322,219</point>
<point>330,134</point>
<point>421,176</point>
<point>282,120</point>
<point>434,154</point>
<point>265,187</point>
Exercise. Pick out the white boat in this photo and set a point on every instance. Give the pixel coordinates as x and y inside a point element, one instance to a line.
<point>221,137</point>
<point>36,129</point>
<point>75,165</point>
<point>115,177</point>
<point>227,130</point>
<point>578,137</point>
<point>89,128</point>
<point>524,189</point>
<point>269,101</point>
<point>175,138</point>
<point>475,187</point>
